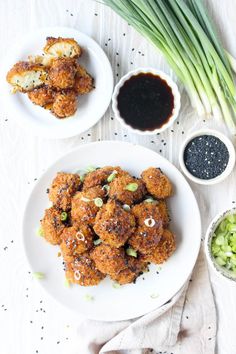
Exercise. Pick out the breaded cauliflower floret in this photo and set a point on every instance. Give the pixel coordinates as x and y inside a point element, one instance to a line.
<point>127,189</point>
<point>150,227</point>
<point>65,104</point>
<point>83,81</point>
<point>42,96</point>
<point>100,176</point>
<point>157,183</point>
<point>164,250</point>
<point>82,270</point>
<point>135,266</point>
<point>109,260</point>
<point>52,226</point>
<point>61,74</point>
<point>113,224</point>
<point>25,76</point>
<point>76,240</point>
<point>84,208</point>
<point>62,47</point>
<point>63,187</point>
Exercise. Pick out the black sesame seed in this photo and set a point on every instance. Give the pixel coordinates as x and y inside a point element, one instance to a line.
<point>206,157</point>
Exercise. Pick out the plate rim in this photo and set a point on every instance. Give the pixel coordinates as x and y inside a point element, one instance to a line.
<point>31,127</point>
<point>23,238</point>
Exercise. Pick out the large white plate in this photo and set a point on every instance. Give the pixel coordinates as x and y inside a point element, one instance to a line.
<point>131,300</point>
<point>91,107</point>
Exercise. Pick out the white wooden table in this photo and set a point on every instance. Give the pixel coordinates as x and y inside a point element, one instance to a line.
<point>30,321</point>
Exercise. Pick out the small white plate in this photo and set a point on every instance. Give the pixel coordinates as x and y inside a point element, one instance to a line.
<point>151,289</point>
<point>91,107</point>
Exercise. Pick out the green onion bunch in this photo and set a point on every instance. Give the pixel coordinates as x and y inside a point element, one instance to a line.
<point>184,33</point>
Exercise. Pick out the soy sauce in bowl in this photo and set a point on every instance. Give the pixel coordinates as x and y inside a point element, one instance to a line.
<point>145,102</point>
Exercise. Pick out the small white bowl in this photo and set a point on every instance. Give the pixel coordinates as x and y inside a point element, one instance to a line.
<point>231,161</point>
<point>220,271</point>
<point>170,83</point>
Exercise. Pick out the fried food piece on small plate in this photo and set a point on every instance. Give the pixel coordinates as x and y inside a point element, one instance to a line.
<point>52,226</point>
<point>157,183</point>
<point>25,76</point>
<point>63,188</point>
<point>82,270</point>
<point>113,224</point>
<point>61,74</point>
<point>109,260</point>
<point>65,104</point>
<point>164,249</point>
<point>62,47</point>
<point>76,240</point>
<point>42,96</point>
<point>101,176</point>
<point>83,81</point>
<point>127,189</point>
<point>86,204</point>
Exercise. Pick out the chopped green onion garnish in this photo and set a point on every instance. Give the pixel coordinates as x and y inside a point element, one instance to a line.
<point>64,216</point>
<point>116,285</point>
<point>90,169</point>
<point>98,202</point>
<point>40,232</point>
<point>149,200</point>
<point>88,297</point>
<point>131,252</point>
<point>126,207</point>
<point>154,295</point>
<point>82,177</point>
<point>67,283</point>
<point>38,275</point>
<point>112,176</point>
<point>132,187</point>
<point>97,242</point>
<point>106,187</point>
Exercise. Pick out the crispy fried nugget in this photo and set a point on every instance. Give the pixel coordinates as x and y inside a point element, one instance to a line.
<point>42,96</point>
<point>157,183</point>
<point>52,226</point>
<point>63,187</point>
<point>164,249</point>
<point>84,209</point>
<point>99,177</point>
<point>24,76</point>
<point>149,227</point>
<point>82,270</point>
<point>76,240</point>
<point>128,275</point>
<point>62,47</point>
<point>83,81</point>
<point>61,74</point>
<point>65,104</point>
<point>120,189</point>
<point>113,224</point>
<point>109,260</point>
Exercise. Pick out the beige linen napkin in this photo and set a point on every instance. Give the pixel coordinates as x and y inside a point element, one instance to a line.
<point>185,325</point>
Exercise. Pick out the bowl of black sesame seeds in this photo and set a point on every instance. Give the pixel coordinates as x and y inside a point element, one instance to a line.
<point>207,157</point>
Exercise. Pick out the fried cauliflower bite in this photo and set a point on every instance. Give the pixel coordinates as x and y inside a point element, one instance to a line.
<point>52,226</point>
<point>65,104</point>
<point>113,224</point>
<point>63,187</point>
<point>83,81</point>
<point>149,227</point>
<point>42,96</point>
<point>164,249</point>
<point>76,240</point>
<point>84,209</point>
<point>99,177</point>
<point>82,270</point>
<point>25,76</point>
<point>128,275</point>
<point>127,189</point>
<point>109,260</point>
<point>157,183</point>
<point>62,47</point>
<point>61,74</point>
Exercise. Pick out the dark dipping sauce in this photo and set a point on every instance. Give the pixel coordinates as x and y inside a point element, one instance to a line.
<point>206,157</point>
<point>145,102</point>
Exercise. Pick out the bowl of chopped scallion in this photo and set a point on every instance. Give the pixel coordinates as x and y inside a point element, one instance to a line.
<point>220,244</point>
